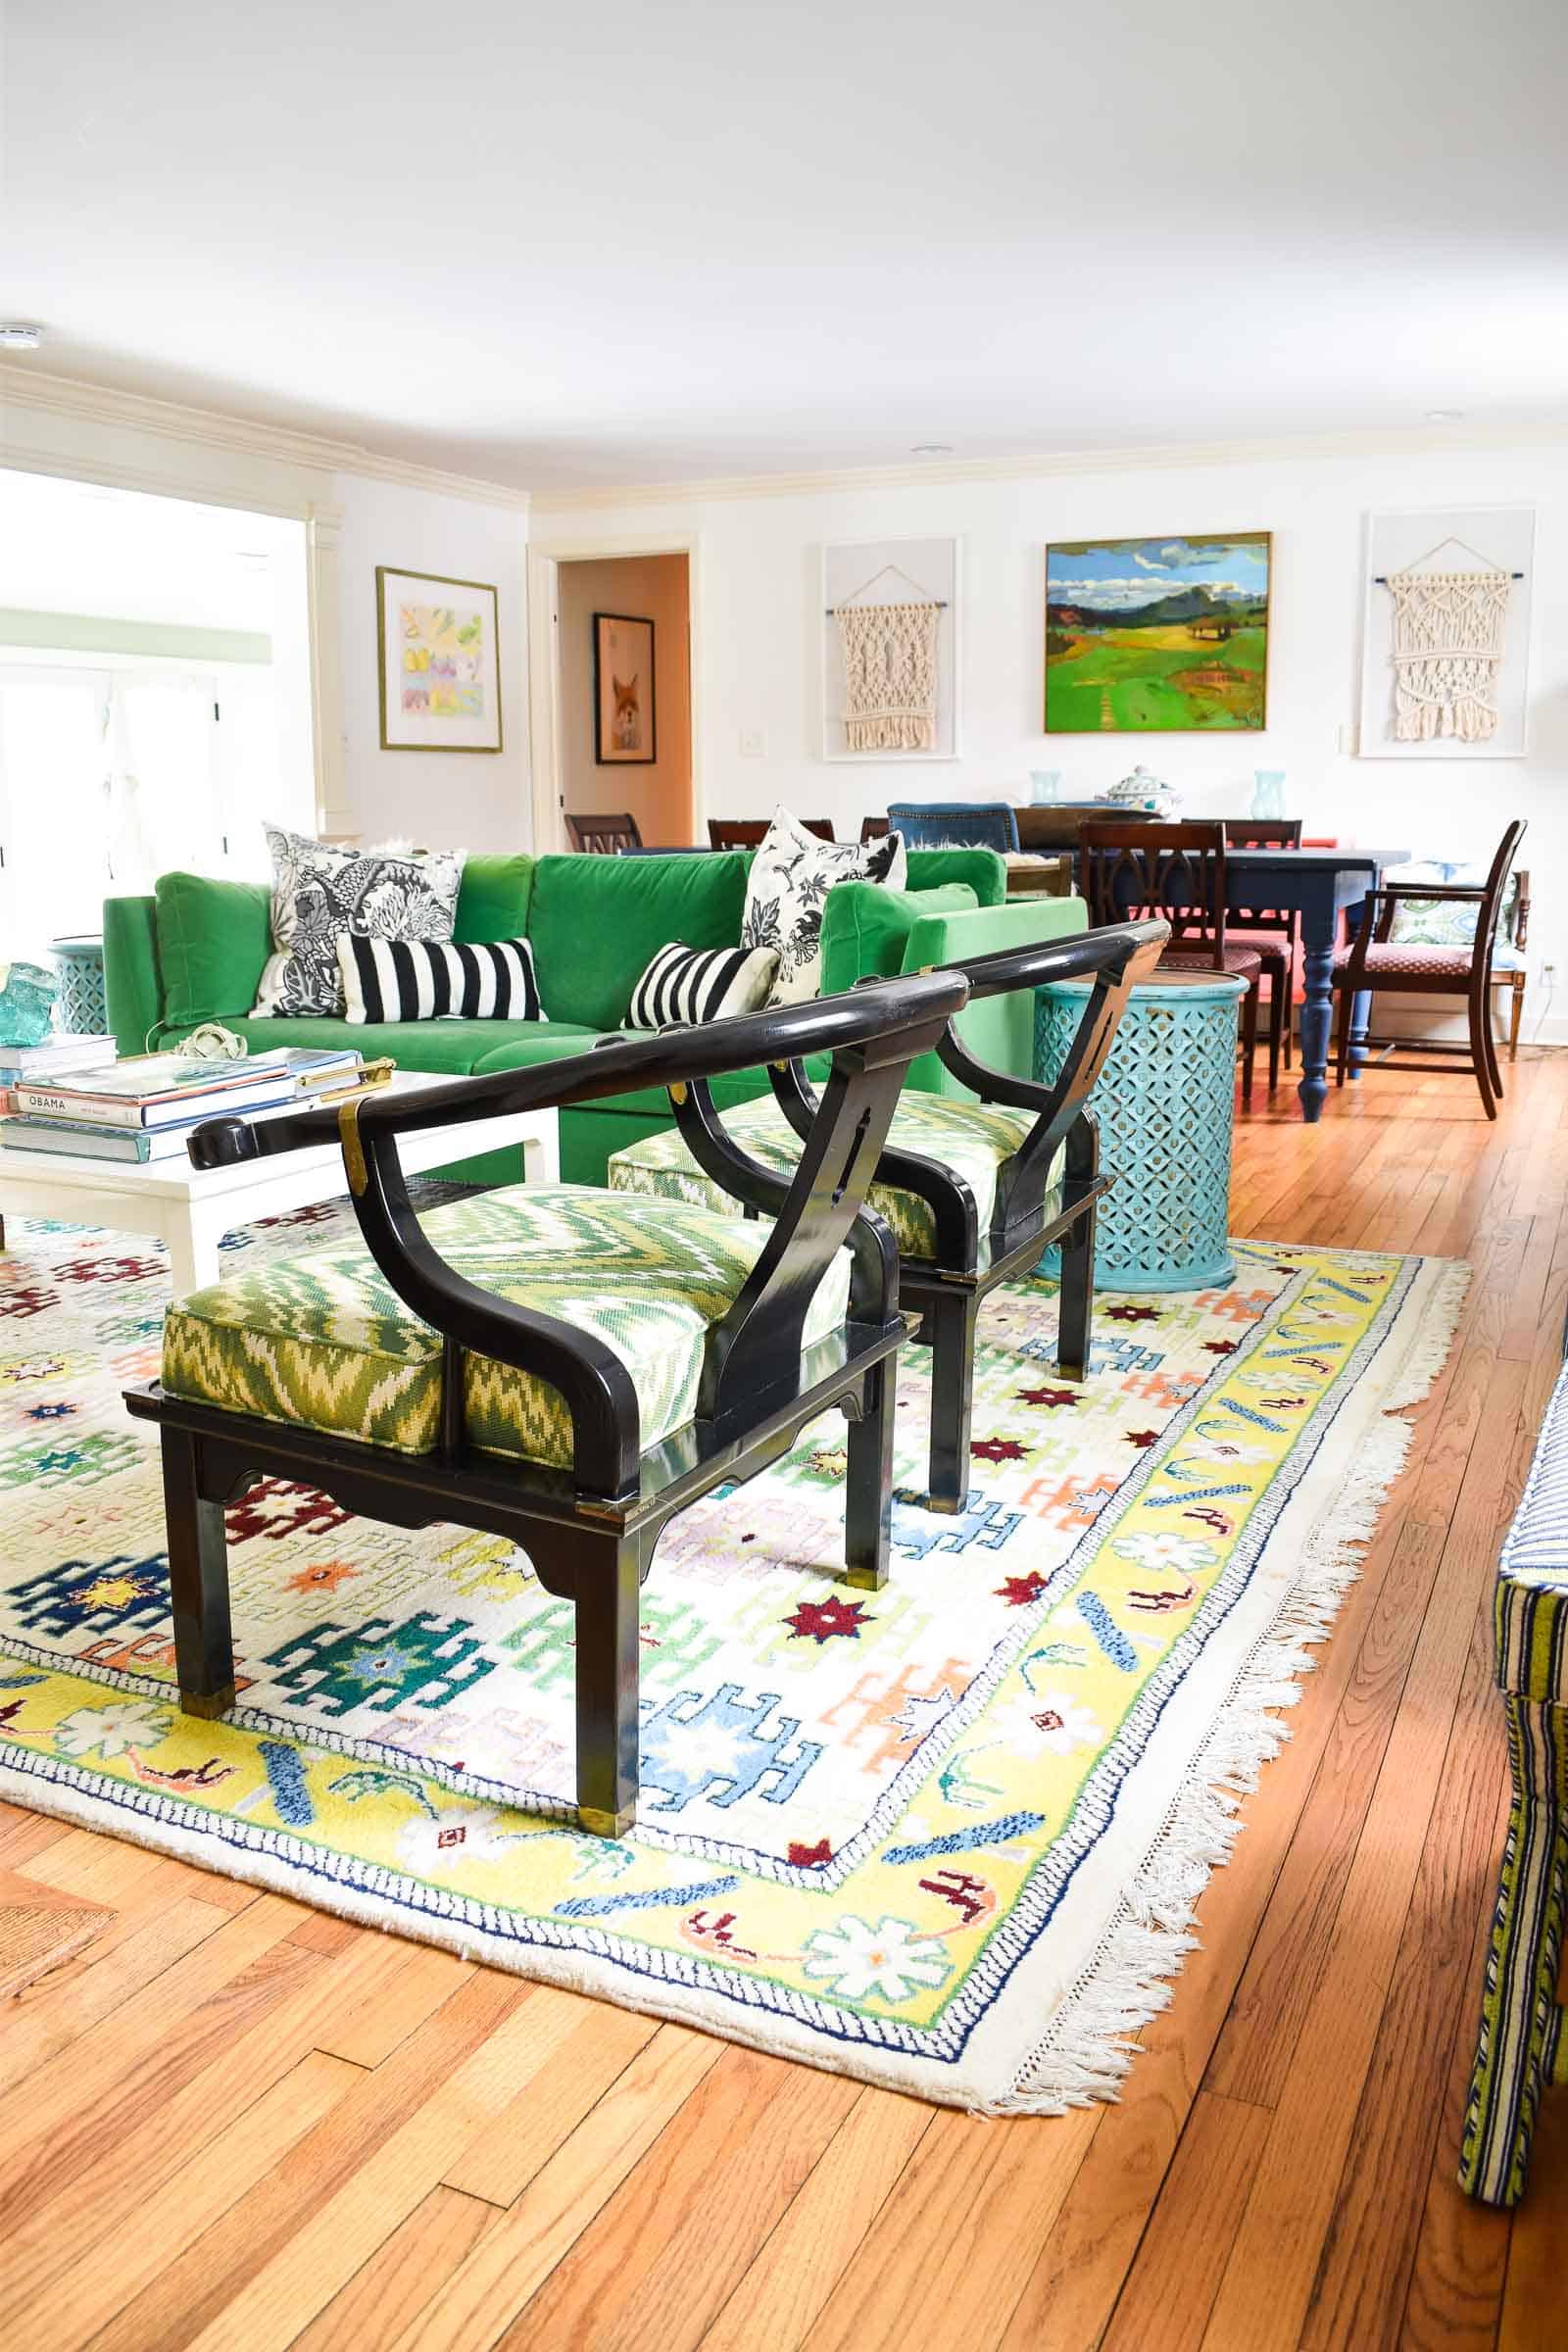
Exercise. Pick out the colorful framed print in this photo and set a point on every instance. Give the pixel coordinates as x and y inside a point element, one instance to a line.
<point>438,650</point>
<point>625,719</point>
<point>1157,636</point>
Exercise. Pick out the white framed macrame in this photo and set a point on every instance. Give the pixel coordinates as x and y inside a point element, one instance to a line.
<point>1445,638</point>
<point>890,670</point>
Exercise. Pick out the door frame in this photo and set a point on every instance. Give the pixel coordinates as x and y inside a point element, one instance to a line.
<point>543,662</point>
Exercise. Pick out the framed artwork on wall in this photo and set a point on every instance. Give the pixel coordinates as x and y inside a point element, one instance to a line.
<point>625,717</point>
<point>439,661</point>
<point>890,651</point>
<point>1445,634</point>
<point>1157,636</point>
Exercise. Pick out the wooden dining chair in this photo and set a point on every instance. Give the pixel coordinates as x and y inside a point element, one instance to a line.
<point>1276,932</point>
<point>1151,868</point>
<point>749,832</point>
<point>1378,962</point>
<point>873,828</point>
<point>604,836</point>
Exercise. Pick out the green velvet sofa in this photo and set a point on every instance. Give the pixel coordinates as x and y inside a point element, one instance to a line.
<point>193,951</point>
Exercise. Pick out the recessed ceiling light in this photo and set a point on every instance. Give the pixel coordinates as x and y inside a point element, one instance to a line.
<point>16,334</point>
<point>1444,416</point>
<point>932,449</point>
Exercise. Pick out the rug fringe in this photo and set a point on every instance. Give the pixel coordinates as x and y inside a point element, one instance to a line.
<point>1126,1987</point>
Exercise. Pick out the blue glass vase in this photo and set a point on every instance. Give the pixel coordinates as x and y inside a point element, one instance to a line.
<point>1268,792</point>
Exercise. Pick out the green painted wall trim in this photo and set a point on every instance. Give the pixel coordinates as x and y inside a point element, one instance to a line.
<point>87,633</point>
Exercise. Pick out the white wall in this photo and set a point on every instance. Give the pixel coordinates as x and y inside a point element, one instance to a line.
<point>757,635</point>
<point>442,800</point>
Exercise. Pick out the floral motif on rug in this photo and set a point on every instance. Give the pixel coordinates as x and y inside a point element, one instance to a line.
<point>946,1836</point>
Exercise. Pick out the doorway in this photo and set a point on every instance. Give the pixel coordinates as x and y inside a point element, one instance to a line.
<point>625,720</point>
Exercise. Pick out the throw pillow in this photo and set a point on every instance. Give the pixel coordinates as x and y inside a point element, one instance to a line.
<point>787,889</point>
<point>700,984</point>
<point>432,980</point>
<point>319,892</point>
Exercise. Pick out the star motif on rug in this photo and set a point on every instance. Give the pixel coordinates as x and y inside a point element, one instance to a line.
<point>1047,1396</point>
<point>50,1413</point>
<point>810,1857</point>
<point>820,1620</point>
<point>829,1461</point>
<point>1132,1314</point>
<point>996,1449</point>
<point>324,1575</point>
<point>1220,1346</point>
<point>1019,1591</point>
<point>1141,1437</point>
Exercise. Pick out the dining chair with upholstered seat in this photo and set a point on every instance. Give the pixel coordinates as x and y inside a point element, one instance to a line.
<point>955,825</point>
<point>1376,962</point>
<point>1146,868</point>
<point>1276,932</point>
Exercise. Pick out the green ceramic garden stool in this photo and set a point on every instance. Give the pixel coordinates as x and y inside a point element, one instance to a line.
<point>1165,1102</point>
<point>1522,2045</point>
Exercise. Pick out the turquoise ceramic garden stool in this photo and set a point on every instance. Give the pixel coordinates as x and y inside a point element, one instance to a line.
<point>1164,1100</point>
<point>84,1008</point>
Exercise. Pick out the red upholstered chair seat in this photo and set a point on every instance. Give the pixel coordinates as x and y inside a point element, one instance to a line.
<point>1245,961</point>
<point>1405,960</point>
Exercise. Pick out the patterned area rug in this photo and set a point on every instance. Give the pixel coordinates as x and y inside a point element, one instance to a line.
<point>947,1837</point>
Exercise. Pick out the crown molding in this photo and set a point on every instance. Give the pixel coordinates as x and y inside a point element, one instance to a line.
<point>23,387</point>
<point>548,503</point>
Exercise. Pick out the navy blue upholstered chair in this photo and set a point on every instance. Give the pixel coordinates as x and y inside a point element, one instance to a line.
<point>956,824</point>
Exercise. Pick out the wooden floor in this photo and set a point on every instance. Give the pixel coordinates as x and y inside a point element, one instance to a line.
<point>236,2123</point>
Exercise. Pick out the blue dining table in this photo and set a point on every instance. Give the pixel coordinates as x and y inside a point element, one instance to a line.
<point>1318,885</point>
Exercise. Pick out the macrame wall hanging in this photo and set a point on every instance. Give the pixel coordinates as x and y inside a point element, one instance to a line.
<point>1447,651</point>
<point>890,670</point>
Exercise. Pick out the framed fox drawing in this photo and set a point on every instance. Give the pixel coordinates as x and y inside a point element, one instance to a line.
<point>624,718</point>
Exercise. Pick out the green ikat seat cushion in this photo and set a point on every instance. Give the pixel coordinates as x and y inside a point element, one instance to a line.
<point>323,1342</point>
<point>974,1140</point>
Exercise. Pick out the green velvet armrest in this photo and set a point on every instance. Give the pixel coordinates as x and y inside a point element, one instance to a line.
<point>998,1030</point>
<point>132,980</point>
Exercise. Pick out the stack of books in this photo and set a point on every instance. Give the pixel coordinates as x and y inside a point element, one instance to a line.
<point>53,1059</point>
<point>143,1108</point>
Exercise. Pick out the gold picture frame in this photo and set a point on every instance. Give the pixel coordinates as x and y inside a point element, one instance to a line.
<point>440,688</point>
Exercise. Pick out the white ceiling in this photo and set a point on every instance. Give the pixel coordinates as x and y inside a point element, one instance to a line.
<point>562,245</point>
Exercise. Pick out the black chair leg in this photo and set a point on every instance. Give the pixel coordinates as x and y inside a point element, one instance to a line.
<point>198,1582</point>
<point>868,1481</point>
<point>1075,1304</point>
<point>608,1586</point>
<point>1341,1053</point>
<point>1277,998</point>
<point>1481,1055</point>
<point>951,1320</point>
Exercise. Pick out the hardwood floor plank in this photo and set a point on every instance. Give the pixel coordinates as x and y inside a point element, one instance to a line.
<point>581,2047</point>
<point>517,2255</point>
<point>419,1979</point>
<point>391,2290</point>
<point>134,1950</point>
<point>665,2252</point>
<point>1534,2300</point>
<point>1174,2274</point>
<point>804,2257</point>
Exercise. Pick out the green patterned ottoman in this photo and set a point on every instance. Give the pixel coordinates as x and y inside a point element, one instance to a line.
<point>1522,2045</point>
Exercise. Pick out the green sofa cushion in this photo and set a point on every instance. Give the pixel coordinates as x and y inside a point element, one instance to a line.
<point>982,869</point>
<point>213,940</point>
<point>865,929</point>
<point>132,981</point>
<point>321,1340</point>
<point>450,1048</point>
<point>493,900</point>
<point>595,923</point>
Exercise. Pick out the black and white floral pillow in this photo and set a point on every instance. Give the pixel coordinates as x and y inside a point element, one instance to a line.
<point>319,892</point>
<point>787,889</point>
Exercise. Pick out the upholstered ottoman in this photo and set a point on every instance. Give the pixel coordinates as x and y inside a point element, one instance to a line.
<point>1522,2045</point>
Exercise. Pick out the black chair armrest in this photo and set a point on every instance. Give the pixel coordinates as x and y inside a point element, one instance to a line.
<point>754,1349</point>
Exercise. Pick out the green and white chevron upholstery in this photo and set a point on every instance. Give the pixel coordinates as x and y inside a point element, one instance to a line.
<point>323,1341</point>
<point>973,1139</point>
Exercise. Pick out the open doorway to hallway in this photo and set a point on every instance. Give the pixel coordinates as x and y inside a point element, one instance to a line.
<point>638,754</point>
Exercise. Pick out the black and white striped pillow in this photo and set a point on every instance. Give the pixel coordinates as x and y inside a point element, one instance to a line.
<point>700,984</point>
<point>429,980</point>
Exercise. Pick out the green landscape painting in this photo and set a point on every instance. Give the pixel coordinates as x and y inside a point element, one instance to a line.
<point>1156,636</point>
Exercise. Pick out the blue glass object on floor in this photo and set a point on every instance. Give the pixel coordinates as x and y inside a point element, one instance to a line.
<point>26,1004</point>
<point>1165,1102</point>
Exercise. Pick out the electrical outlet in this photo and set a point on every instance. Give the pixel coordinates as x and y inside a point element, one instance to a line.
<point>1548,973</point>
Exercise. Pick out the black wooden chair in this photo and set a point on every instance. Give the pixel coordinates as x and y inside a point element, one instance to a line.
<point>1376,962</point>
<point>1275,931</point>
<point>749,832</point>
<point>1178,870</point>
<point>972,1190</point>
<point>604,836</point>
<point>526,1422</point>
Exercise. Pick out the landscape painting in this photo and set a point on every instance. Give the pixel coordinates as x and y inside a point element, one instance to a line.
<point>1156,636</point>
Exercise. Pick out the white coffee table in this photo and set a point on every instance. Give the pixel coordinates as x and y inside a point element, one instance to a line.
<point>190,1211</point>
